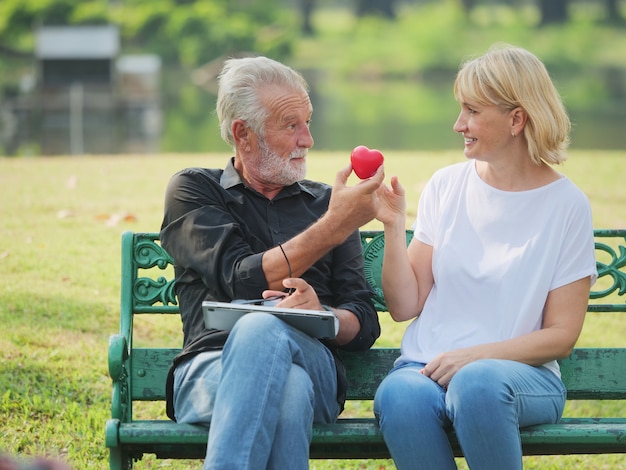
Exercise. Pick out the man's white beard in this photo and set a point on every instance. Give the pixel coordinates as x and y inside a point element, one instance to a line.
<point>273,169</point>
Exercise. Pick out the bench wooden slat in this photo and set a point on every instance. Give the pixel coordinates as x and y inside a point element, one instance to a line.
<point>149,369</point>
<point>589,373</point>
<point>595,373</point>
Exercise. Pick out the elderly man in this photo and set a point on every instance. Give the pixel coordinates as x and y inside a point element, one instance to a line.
<point>255,229</point>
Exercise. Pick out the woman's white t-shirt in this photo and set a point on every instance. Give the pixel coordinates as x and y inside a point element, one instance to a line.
<point>496,256</point>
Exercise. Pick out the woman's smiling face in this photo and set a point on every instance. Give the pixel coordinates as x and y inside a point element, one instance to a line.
<point>486,129</point>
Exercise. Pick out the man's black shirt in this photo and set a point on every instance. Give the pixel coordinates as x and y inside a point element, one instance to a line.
<point>217,229</point>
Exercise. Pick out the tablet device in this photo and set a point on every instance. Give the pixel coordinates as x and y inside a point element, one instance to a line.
<point>317,323</point>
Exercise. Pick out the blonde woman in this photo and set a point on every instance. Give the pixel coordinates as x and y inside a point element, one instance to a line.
<point>495,281</point>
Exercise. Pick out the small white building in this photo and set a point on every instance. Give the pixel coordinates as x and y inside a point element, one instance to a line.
<point>70,54</point>
<point>87,97</point>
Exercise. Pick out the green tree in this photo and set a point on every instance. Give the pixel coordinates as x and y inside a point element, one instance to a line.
<point>194,32</point>
<point>18,19</point>
<point>183,32</point>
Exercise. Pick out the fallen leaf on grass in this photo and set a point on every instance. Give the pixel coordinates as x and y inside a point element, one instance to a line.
<point>65,213</point>
<point>72,182</point>
<point>111,220</point>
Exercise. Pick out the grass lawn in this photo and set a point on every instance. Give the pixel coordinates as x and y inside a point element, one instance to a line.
<point>62,218</point>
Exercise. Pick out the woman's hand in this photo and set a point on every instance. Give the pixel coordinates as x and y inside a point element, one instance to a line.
<point>443,367</point>
<point>392,203</point>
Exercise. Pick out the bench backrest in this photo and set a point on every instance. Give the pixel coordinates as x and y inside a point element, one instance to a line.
<point>147,288</point>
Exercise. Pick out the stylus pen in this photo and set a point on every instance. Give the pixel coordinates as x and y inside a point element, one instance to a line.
<point>260,301</point>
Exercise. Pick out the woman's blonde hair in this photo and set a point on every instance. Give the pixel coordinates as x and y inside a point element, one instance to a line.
<point>512,77</point>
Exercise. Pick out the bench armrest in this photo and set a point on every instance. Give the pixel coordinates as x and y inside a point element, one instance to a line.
<point>118,353</point>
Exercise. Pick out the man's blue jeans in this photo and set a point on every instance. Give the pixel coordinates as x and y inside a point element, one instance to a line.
<point>486,403</point>
<point>261,395</point>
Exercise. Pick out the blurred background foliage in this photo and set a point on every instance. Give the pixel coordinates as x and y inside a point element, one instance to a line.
<point>183,33</point>
<point>189,33</point>
<point>380,70</point>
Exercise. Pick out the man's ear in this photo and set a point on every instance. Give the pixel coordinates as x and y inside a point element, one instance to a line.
<point>241,134</point>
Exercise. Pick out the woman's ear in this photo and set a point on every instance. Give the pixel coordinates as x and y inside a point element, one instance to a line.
<point>518,120</point>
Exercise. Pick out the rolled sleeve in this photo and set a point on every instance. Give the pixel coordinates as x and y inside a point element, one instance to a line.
<point>207,241</point>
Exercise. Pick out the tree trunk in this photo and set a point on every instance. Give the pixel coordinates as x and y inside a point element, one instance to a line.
<point>553,11</point>
<point>306,7</point>
<point>613,14</point>
<point>385,8</point>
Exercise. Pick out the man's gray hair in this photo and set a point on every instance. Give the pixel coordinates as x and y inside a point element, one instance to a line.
<point>240,83</point>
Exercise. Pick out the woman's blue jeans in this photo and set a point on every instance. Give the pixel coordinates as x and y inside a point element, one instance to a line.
<point>486,403</point>
<point>261,395</point>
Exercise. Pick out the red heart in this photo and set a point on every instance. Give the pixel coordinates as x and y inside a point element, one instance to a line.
<point>365,162</point>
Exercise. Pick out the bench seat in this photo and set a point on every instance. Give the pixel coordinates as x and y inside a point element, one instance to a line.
<point>360,438</point>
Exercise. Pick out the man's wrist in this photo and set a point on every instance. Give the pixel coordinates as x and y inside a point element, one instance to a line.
<point>333,233</point>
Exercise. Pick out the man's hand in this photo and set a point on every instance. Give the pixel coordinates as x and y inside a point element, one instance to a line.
<point>353,207</point>
<point>303,296</point>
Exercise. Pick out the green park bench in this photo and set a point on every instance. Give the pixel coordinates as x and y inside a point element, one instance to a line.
<point>138,373</point>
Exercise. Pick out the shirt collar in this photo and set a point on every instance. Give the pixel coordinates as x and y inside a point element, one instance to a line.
<point>230,178</point>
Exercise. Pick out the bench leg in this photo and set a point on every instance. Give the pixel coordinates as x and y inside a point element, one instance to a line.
<point>119,460</point>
